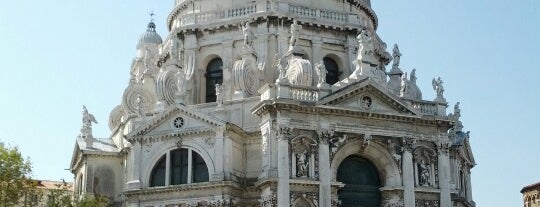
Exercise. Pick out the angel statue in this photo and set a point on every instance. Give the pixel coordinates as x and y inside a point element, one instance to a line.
<point>438,87</point>
<point>87,119</point>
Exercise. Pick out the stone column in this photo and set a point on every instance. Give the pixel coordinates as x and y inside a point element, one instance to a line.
<point>283,194</point>
<point>190,167</point>
<point>408,172</point>
<point>325,174</point>
<point>444,174</point>
<point>168,168</point>
<point>469,189</point>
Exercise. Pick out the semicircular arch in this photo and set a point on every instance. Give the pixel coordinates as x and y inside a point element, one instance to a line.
<point>376,154</point>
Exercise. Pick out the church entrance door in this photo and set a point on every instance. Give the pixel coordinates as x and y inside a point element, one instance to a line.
<point>362,183</point>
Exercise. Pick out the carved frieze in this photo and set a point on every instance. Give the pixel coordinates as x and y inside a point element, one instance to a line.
<point>427,203</point>
<point>268,201</point>
<point>302,199</point>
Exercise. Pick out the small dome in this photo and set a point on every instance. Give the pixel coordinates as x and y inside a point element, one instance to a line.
<point>150,36</point>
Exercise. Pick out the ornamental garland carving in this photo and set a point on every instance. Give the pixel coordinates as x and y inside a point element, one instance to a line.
<point>136,98</point>
<point>395,150</point>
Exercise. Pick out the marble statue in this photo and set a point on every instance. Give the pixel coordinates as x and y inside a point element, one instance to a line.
<point>295,33</point>
<point>396,54</point>
<point>404,85</point>
<point>302,164</point>
<point>365,48</point>
<point>438,87</point>
<point>219,94</point>
<point>248,35</point>
<point>423,169</point>
<point>88,119</point>
<point>321,72</point>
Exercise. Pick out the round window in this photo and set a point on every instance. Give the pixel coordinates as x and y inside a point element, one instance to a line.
<point>178,122</point>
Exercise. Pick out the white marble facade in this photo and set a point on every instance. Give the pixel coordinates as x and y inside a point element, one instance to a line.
<point>274,103</point>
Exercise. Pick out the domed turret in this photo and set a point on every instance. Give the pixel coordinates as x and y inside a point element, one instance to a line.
<point>150,36</point>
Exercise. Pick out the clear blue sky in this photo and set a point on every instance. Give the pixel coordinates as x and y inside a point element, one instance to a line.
<point>57,55</point>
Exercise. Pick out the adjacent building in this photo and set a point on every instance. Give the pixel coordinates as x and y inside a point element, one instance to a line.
<point>274,103</point>
<point>531,195</point>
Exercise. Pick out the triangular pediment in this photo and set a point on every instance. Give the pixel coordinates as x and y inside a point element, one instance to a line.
<point>369,96</point>
<point>177,120</point>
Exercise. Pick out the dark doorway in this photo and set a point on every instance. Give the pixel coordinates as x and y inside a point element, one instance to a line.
<point>362,183</point>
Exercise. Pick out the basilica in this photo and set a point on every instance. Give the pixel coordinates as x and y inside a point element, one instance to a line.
<point>274,103</point>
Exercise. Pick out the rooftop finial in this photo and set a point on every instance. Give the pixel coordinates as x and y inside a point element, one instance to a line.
<point>152,16</point>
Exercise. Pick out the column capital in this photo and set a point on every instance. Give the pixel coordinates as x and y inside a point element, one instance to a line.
<point>325,135</point>
<point>443,147</point>
<point>409,143</point>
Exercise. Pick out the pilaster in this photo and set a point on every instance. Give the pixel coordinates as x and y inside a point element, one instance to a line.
<point>220,158</point>
<point>227,58</point>
<point>325,188</point>
<point>444,174</point>
<point>408,172</point>
<point>283,191</point>
<point>134,175</point>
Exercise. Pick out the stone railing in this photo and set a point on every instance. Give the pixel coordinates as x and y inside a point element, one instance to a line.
<point>214,16</point>
<point>286,91</point>
<point>269,7</point>
<point>425,107</point>
<point>327,15</point>
<point>303,94</point>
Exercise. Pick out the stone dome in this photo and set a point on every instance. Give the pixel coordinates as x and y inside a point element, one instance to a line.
<point>150,36</point>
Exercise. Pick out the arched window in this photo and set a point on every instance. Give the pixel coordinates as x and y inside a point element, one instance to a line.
<point>158,173</point>
<point>362,183</point>
<point>214,75</point>
<point>332,75</point>
<point>186,166</point>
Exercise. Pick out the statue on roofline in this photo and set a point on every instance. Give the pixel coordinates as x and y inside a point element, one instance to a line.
<point>88,119</point>
<point>438,87</point>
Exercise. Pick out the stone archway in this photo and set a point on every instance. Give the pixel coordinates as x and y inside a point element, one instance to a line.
<point>362,182</point>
